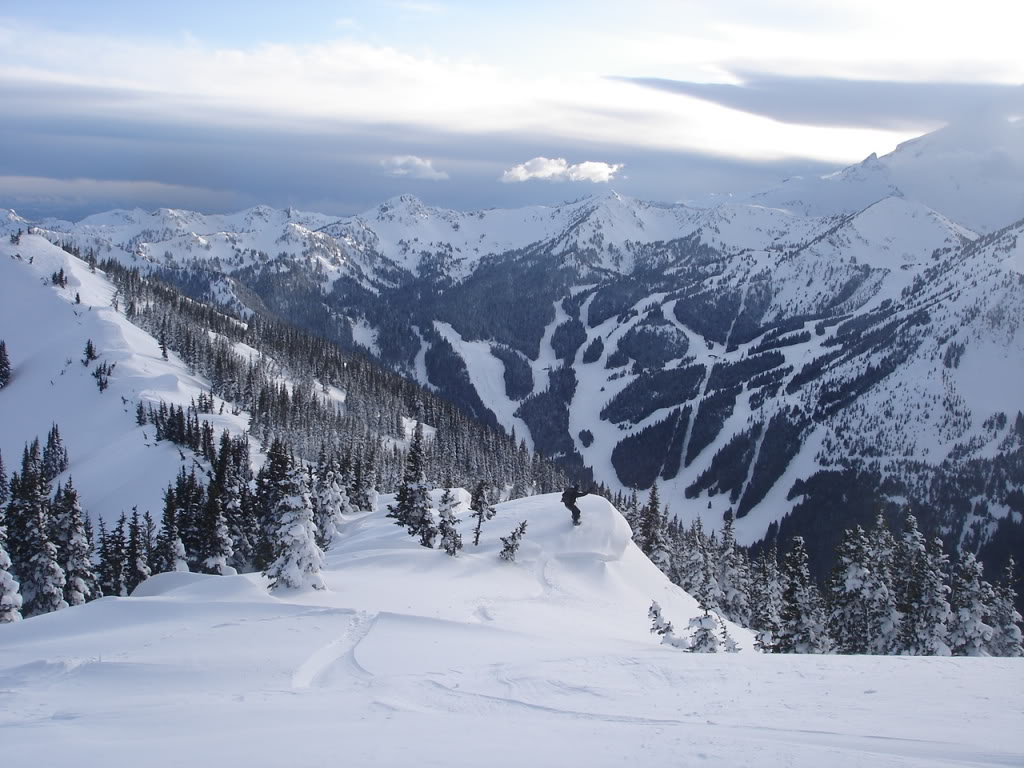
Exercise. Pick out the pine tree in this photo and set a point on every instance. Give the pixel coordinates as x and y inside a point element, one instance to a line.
<point>216,549</point>
<point>733,578</point>
<point>971,603</point>
<point>137,568</point>
<point>482,511</point>
<point>5,488</point>
<point>803,627</point>
<point>921,593</point>
<point>55,456</point>
<point>90,353</point>
<point>1005,619</point>
<point>652,539</point>
<point>847,594</point>
<point>766,599</point>
<point>883,618</point>
<point>412,502</point>
<point>74,552</point>
<point>297,559</point>
<point>10,590</point>
<point>451,539</point>
<point>169,554</point>
<point>112,571</point>
<point>33,555</point>
<point>660,626</point>
<point>332,503</point>
<point>5,365</point>
<point>510,543</point>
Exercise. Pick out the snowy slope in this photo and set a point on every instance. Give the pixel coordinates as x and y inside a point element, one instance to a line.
<point>114,463</point>
<point>413,657</point>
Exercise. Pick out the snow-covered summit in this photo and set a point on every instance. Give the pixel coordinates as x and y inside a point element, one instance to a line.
<point>971,171</point>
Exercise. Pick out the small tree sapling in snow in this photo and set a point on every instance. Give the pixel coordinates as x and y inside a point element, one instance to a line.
<point>660,626</point>
<point>481,510</point>
<point>510,543</point>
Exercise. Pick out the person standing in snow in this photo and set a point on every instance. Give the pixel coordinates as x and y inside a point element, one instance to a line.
<point>569,497</point>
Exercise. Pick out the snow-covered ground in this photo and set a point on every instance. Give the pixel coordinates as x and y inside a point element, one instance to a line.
<point>416,658</point>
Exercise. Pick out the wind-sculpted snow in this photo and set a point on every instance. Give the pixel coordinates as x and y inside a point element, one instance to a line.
<point>415,657</point>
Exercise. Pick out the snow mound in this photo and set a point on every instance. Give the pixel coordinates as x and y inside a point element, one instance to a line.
<point>202,586</point>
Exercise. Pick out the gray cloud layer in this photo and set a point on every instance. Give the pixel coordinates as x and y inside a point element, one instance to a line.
<point>860,103</point>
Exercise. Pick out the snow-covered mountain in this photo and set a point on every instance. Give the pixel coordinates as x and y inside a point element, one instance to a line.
<point>834,335</point>
<point>973,172</point>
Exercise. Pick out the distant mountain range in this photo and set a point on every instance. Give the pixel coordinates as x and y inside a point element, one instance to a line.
<point>830,347</point>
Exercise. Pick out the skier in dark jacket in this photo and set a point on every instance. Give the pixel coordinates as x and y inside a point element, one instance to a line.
<point>569,496</point>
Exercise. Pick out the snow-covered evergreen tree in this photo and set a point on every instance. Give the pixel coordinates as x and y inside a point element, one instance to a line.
<point>10,590</point>
<point>33,556</point>
<point>802,629</point>
<point>883,617</point>
<point>971,603</point>
<point>482,510</point>
<point>169,552</point>
<point>849,594</point>
<point>113,561</point>
<point>733,577</point>
<point>510,543</point>
<point>704,634</point>
<point>921,593</point>
<point>766,599</point>
<point>55,455</point>
<point>412,502</point>
<point>137,568</point>
<point>652,538</point>
<point>451,539</point>
<point>1005,618</point>
<point>332,503</point>
<point>297,559</point>
<point>74,553</point>
<point>660,626</point>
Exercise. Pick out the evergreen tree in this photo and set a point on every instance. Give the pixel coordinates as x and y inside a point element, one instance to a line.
<point>660,626</point>
<point>5,488</point>
<point>704,634</point>
<point>883,618</point>
<point>10,590</point>
<point>802,629</point>
<point>90,353</point>
<point>652,537</point>
<point>5,365</point>
<point>412,502</point>
<point>137,568</point>
<point>510,543</point>
<point>1005,619</point>
<point>33,555</point>
<point>921,593</point>
<point>55,455</point>
<point>169,552</point>
<point>971,603</point>
<point>332,503</point>
<point>766,599</point>
<point>297,559</point>
<point>74,552</point>
<point>216,546</point>
<point>848,597</point>
<point>451,539</point>
<point>113,564</point>
<point>733,578</point>
<point>481,510</point>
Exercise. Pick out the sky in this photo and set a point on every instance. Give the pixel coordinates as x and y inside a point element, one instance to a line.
<point>335,106</point>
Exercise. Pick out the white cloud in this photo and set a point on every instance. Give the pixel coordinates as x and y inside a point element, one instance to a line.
<point>559,169</point>
<point>413,167</point>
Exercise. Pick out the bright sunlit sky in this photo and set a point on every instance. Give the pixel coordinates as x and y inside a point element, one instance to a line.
<point>334,106</point>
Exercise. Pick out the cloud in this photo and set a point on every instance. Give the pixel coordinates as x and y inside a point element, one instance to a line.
<point>412,167</point>
<point>558,169</point>
<point>830,101</point>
